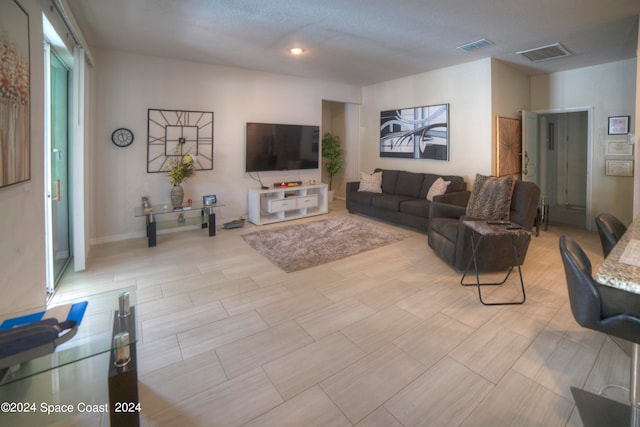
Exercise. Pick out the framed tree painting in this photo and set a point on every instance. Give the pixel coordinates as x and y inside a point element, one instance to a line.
<point>415,133</point>
<point>15,147</point>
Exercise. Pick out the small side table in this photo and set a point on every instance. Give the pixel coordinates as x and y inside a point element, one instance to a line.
<point>480,230</point>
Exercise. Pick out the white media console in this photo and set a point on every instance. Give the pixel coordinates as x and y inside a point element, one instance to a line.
<point>285,203</point>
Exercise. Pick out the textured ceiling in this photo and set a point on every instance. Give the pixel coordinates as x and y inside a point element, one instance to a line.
<point>361,41</point>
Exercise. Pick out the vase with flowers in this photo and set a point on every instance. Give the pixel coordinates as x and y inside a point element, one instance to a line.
<point>180,168</point>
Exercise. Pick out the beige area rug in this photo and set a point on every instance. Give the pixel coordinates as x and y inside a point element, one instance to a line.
<point>300,246</point>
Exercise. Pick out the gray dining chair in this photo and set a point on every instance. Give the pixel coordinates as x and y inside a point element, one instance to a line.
<point>610,230</point>
<point>613,312</point>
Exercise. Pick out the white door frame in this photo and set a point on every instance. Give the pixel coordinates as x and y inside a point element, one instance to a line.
<point>589,189</point>
<point>48,214</point>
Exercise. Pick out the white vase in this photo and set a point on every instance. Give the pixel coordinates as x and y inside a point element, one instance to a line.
<point>330,195</point>
<point>177,195</point>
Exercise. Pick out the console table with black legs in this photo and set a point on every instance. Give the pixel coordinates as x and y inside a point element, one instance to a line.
<point>480,231</point>
<point>194,214</point>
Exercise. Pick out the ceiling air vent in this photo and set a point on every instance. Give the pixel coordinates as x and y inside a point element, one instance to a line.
<point>474,45</point>
<point>545,53</point>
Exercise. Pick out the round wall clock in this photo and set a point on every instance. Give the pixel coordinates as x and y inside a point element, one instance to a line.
<point>122,137</point>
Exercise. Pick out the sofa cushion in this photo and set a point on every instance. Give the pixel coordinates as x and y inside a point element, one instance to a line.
<point>371,183</point>
<point>389,180</point>
<point>409,184</point>
<point>362,198</point>
<point>438,188</point>
<point>457,183</point>
<point>388,202</point>
<point>491,197</point>
<point>417,207</point>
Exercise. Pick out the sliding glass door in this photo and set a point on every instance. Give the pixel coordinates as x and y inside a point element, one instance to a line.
<point>57,160</point>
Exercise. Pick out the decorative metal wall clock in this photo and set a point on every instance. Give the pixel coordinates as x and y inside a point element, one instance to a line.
<point>122,137</point>
<point>176,133</point>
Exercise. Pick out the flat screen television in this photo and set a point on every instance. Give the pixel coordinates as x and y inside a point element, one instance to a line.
<point>278,147</point>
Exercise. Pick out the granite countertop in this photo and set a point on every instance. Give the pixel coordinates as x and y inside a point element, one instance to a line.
<point>621,269</point>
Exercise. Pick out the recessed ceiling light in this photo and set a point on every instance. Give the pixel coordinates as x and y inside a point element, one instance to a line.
<point>296,50</point>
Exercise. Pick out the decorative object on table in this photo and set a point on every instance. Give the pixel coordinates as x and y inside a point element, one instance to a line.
<point>146,205</point>
<point>122,354</point>
<point>296,247</point>
<point>122,137</point>
<point>181,218</point>
<point>181,167</point>
<point>509,146</point>
<point>333,155</point>
<point>15,165</point>
<point>177,195</point>
<point>619,125</point>
<point>124,304</point>
<point>415,133</point>
<point>177,132</point>
<point>209,200</point>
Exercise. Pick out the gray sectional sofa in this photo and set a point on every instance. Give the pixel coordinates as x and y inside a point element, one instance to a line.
<point>403,199</point>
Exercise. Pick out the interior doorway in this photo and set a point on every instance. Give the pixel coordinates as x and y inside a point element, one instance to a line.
<point>341,119</point>
<point>562,164</point>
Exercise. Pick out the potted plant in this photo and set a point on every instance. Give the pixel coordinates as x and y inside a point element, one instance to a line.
<point>333,153</point>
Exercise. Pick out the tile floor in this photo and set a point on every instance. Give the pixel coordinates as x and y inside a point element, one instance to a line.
<point>383,338</point>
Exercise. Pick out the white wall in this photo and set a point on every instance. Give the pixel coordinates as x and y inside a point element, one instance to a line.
<point>467,90</point>
<point>510,95</point>
<point>610,90</point>
<point>127,85</point>
<point>636,131</point>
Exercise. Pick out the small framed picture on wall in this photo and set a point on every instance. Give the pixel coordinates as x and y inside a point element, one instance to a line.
<point>619,125</point>
<point>619,167</point>
<point>619,148</point>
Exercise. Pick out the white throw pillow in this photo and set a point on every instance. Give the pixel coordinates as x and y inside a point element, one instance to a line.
<point>371,182</point>
<point>438,188</point>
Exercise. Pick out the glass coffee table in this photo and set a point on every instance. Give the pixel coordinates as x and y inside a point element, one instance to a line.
<point>108,324</point>
<point>165,216</point>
